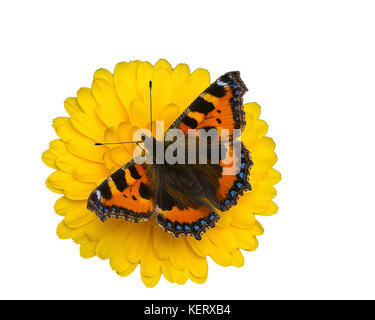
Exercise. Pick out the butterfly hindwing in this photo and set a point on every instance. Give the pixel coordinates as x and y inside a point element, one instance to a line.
<point>234,182</point>
<point>125,194</point>
<point>187,221</point>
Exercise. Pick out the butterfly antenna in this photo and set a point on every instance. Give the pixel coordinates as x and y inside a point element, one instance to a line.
<point>150,85</point>
<point>123,142</point>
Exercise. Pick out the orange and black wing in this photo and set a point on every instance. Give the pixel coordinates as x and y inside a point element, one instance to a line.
<point>220,106</point>
<point>187,221</point>
<point>234,178</point>
<point>125,194</point>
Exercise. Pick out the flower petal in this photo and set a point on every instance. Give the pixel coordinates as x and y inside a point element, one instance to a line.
<point>86,149</point>
<point>162,242</point>
<point>90,172</point>
<point>223,238</point>
<point>64,205</point>
<point>65,129</point>
<point>151,282</point>
<point>110,109</point>
<point>58,180</point>
<point>63,231</point>
<point>237,258</point>
<point>109,243</point>
<point>79,216</point>
<point>150,264</point>
<point>197,265</point>
<point>49,159</point>
<point>87,250</point>
<point>179,253</point>
<point>77,190</point>
<point>86,100</point>
<point>71,106</point>
<point>89,125</point>
<point>162,64</point>
<point>137,242</point>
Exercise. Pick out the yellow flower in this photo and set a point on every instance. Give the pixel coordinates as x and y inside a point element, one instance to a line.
<point>116,106</point>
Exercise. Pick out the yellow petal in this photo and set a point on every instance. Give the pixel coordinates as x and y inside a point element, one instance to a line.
<point>180,74</point>
<point>57,147</point>
<point>197,265</point>
<point>103,74</point>
<point>182,277</point>
<point>64,205</point>
<point>79,234</point>
<point>71,106</point>
<point>79,190</point>
<point>87,250</point>
<point>196,279</point>
<point>252,109</point>
<point>59,180</point>
<point>120,156</point>
<point>86,100</point>
<point>90,172</point>
<point>162,242</point>
<point>271,209</point>
<point>108,162</point>
<point>118,262</point>
<point>162,64</point>
<point>237,258</point>
<point>242,216</point>
<point>151,282</point>
<point>171,273</point>
<point>200,247</point>
<point>260,129</point>
<point>79,216</point>
<point>110,109</point>
<point>161,90</point>
<point>64,129</point>
<point>223,238</point>
<point>219,255</point>
<point>49,159</point>
<point>89,125</point>
<point>168,115</point>
<point>225,220</point>
<point>110,242</point>
<point>179,253</point>
<point>150,264</point>
<point>63,231</point>
<point>98,229</point>
<point>125,83</point>
<point>168,271</point>
<point>125,132</point>
<point>86,149</point>
<point>246,239</point>
<point>137,242</point>
<point>139,114</point>
<point>144,75</point>
<point>129,270</point>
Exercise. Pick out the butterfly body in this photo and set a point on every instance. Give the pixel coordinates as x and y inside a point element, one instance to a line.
<point>184,197</point>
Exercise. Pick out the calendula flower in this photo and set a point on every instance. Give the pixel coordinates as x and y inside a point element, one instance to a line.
<point>112,110</point>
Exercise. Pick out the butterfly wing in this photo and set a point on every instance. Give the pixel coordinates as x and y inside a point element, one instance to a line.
<point>125,194</point>
<point>234,179</point>
<point>219,106</point>
<point>187,221</point>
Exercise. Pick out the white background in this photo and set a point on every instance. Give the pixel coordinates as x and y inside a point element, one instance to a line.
<point>309,64</point>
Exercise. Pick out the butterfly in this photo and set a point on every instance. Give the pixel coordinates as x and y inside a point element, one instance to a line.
<point>185,198</point>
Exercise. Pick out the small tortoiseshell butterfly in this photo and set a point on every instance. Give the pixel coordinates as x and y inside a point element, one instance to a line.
<point>184,197</point>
